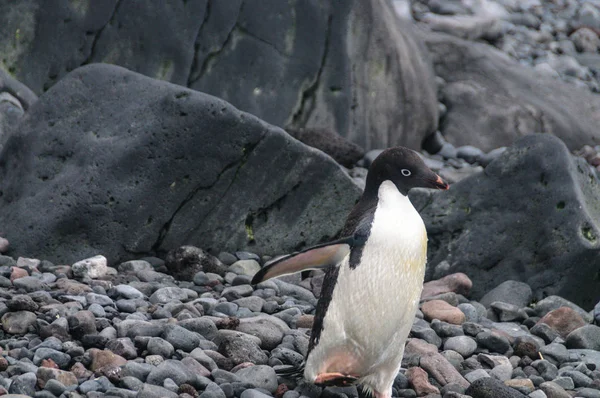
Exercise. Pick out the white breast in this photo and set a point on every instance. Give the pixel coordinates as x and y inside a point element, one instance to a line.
<point>373,305</point>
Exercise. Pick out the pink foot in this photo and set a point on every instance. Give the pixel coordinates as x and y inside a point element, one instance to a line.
<point>335,379</point>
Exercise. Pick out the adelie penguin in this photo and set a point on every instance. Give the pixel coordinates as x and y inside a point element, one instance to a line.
<point>373,281</point>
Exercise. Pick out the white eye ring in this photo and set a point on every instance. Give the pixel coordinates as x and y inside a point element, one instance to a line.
<point>405,172</point>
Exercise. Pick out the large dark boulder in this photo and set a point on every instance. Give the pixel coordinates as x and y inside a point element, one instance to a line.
<point>492,100</point>
<point>532,215</point>
<point>349,66</point>
<point>109,161</point>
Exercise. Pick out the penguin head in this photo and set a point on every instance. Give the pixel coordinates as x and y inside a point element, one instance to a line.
<point>405,168</point>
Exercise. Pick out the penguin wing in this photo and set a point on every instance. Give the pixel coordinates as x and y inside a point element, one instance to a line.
<point>316,257</point>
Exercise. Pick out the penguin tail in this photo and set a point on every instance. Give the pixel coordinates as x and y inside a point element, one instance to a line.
<point>295,372</point>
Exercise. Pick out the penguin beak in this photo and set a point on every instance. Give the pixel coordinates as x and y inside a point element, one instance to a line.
<point>440,184</point>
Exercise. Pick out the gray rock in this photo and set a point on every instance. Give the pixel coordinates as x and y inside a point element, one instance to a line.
<point>547,370</point>
<point>23,384</point>
<point>226,308</point>
<point>587,356</point>
<point>493,341</point>
<point>30,284</point>
<point>132,328</point>
<point>586,337</point>
<point>101,299</point>
<point>245,267</point>
<point>511,292</point>
<point>565,382</point>
<point>553,390</point>
<point>18,322</point>
<point>97,310</point>
<point>476,375</point>
<point>464,345</point>
<point>155,391</point>
<point>473,70</point>
<point>240,347</point>
<point>519,171</point>
<point>508,312</point>
<point>168,294</point>
<point>173,370</point>
<point>158,346</point>
<point>21,302</point>
<point>60,358</point>
<point>489,387</point>
<point>203,326</point>
<point>181,338</point>
<point>578,378</point>
<point>55,387</point>
<point>269,329</point>
<point>554,352</point>
<point>234,292</point>
<point>315,187</point>
<point>253,303</point>
<point>93,267</point>
<point>123,346</point>
<point>588,392</point>
<point>252,393</point>
<point>134,266</point>
<point>138,370</point>
<point>129,292</point>
<point>260,376</point>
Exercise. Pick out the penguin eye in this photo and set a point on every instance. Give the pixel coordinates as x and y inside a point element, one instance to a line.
<point>405,172</point>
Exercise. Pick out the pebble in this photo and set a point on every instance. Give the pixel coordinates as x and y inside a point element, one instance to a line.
<point>586,337</point>
<point>512,292</point>
<point>464,345</point>
<point>438,309</point>
<point>159,346</point>
<point>93,267</point>
<point>260,376</point>
<point>564,320</point>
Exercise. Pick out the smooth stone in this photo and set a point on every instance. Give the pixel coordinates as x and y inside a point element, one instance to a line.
<point>464,345</point>
<point>438,309</point>
<point>260,376</point>
<point>489,387</point>
<point>167,294</point>
<point>93,267</point>
<point>564,320</point>
<point>585,337</point>
<point>511,292</point>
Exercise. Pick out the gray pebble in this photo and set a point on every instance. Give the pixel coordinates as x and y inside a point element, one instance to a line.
<point>464,345</point>
<point>159,346</point>
<point>261,376</point>
<point>181,338</point>
<point>168,294</point>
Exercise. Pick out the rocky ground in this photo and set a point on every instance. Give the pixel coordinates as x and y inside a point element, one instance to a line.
<point>136,331</point>
<point>145,328</point>
<point>558,38</point>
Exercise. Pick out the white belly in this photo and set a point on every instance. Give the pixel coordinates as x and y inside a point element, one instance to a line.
<point>373,305</point>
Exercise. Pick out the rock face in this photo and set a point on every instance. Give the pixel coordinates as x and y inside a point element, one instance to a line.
<point>305,64</point>
<point>133,165</point>
<point>492,100</point>
<point>532,215</point>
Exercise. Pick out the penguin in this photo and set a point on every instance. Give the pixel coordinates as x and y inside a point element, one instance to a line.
<point>373,280</point>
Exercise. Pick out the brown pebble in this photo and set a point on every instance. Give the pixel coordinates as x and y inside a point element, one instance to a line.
<point>17,273</point>
<point>281,389</point>
<point>438,309</point>
<point>454,283</point>
<point>305,321</point>
<point>3,364</point>
<point>49,363</point>
<point>418,379</point>
<point>188,389</point>
<point>564,320</point>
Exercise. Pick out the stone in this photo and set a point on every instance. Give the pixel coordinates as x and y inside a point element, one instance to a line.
<point>168,294</point>
<point>22,302</point>
<point>438,309</point>
<point>585,40</point>
<point>493,341</point>
<point>307,186</point>
<point>158,346</point>
<point>240,348</point>
<point>123,346</point>
<point>457,283</point>
<point>534,174</point>
<point>260,376</point>
<point>4,245</point>
<point>105,359</point>
<point>585,337</point>
<point>155,391</point>
<point>524,386</point>
<point>553,390</point>
<point>253,303</point>
<point>564,320</point>
<point>23,384</point>
<point>186,261</point>
<point>30,284</point>
<point>18,322</point>
<point>93,267</point>
<point>128,292</point>
<point>555,352</point>
<point>181,338</point>
<point>442,370</point>
<point>417,378</point>
<point>82,323</point>
<point>473,71</point>
<point>545,332</point>
<point>60,358</point>
<point>245,267</point>
<point>508,312</point>
<point>489,387</point>
<point>174,370</point>
<point>550,303</point>
<point>464,345</point>
<point>269,329</point>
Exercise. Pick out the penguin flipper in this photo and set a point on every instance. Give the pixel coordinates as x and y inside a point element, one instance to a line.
<point>316,257</point>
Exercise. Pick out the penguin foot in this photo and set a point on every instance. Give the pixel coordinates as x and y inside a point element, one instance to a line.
<point>335,379</point>
<point>381,395</point>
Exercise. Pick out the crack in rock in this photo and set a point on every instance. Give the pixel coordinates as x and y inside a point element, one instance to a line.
<point>300,116</point>
<point>99,33</point>
<point>215,53</point>
<point>194,65</point>
<point>248,149</point>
